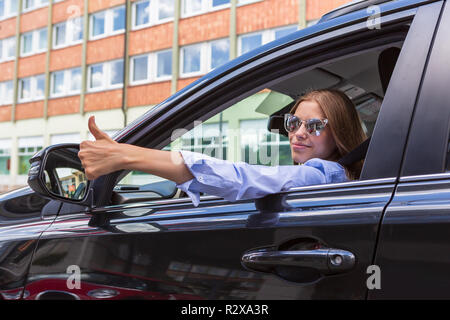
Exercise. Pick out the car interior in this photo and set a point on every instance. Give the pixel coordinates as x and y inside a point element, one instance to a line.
<point>364,89</point>
<point>363,76</point>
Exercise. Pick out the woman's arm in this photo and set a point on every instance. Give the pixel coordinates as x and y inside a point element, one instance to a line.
<point>105,155</point>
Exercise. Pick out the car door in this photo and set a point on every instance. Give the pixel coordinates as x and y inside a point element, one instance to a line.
<point>308,243</point>
<point>414,243</point>
<point>24,215</point>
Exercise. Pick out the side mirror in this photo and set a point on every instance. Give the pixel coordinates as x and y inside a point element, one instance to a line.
<point>56,173</point>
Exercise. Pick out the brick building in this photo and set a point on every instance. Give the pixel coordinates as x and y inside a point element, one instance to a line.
<point>62,61</point>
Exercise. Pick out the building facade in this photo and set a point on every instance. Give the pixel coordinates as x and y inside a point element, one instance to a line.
<point>62,61</point>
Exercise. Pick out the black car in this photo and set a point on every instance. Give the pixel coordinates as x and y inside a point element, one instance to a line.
<point>382,236</point>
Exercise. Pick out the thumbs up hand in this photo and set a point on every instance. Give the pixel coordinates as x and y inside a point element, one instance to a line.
<point>101,156</point>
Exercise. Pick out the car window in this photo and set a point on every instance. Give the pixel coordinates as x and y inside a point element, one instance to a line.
<point>240,132</point>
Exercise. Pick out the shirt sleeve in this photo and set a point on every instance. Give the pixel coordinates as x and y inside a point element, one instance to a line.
<point>239,180</point>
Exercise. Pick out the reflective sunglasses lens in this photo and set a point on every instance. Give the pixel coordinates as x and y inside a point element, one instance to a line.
<point>291,123</point>
<point>314,126</point>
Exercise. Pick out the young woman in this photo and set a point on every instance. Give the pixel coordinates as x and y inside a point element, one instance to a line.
<point>323,126</point>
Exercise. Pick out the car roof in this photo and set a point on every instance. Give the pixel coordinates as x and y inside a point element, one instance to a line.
<point>344,15</point>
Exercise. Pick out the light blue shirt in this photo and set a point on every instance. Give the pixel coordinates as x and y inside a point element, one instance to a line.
<point>239,180</point>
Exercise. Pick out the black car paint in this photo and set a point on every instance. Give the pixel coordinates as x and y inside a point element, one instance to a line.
<point>201,248</point>
<point>414,243</point>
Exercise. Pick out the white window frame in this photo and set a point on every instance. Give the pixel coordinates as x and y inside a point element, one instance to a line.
<point>152,68</point>
<point>4,49</point>
<point>206,6</point>
<point>268,35</point>
<point>205,58</point>
<point>245,2</point>
<point>209,56</point>
<point>35,40</point>
<point>109,23</point>
<point>67,83</point>
<point>33,89</point>
<point>153,15</point>
<point>106,77</point>
<point>37,4</point>
<point>156,60</point>
<point>3,93</point>
<point>7,12</point>
<point>70,26</point>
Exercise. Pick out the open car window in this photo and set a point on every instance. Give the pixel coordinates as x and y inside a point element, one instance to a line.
<point>245,132</point>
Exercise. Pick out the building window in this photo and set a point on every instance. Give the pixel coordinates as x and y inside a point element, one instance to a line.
<point>249,42</point>
<point>147,13</point>
<point>192,57</point>
<point>5,156</point>
<point>34,42</point>
<point>33,4</point>
<point>8,8</point>
<point>243,2</point>
<point>106,75</point>
<point>68,33</point>
<point>140,70</point>
<point>7,49</point>
<point>220,52</point>
<point>200,58</point>
<point>279,33</point>
<point>28,146</point>
<point>155,66</point>
<point>165,9</point>
<point>31,88</point>
<point>164,64</point>
<point>65,82</point>
<point>107,23</point>
<point>194,7</point>
<point>6,92</point>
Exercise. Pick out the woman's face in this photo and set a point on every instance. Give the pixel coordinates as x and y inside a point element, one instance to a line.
<point>305,146</point>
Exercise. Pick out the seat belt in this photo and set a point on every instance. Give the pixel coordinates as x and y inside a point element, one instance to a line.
<point>356,154</point>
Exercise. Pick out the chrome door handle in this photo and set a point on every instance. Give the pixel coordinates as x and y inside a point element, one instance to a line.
<point>325,260</point>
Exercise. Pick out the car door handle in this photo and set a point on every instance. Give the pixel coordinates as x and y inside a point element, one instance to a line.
<point>327,261</point>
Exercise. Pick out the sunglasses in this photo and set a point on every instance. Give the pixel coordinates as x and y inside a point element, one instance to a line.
<point>312,126</point>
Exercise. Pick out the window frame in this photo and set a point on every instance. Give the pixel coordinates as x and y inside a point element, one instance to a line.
<point>153,15</point>
<point>3,93</point>
<point>69,32</point>
<point>67,83</point>
<point>267,35</point>
<point>7,9</point>
<point>152,68</point>
<point>205,58</point>
<point>33,89</point>
<point>106,75</point>
<point>35,41</point>
<point>4,49</point>
<point>108,23</point>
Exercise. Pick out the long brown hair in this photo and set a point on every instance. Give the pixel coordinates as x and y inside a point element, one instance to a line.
<point>344,122</point>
